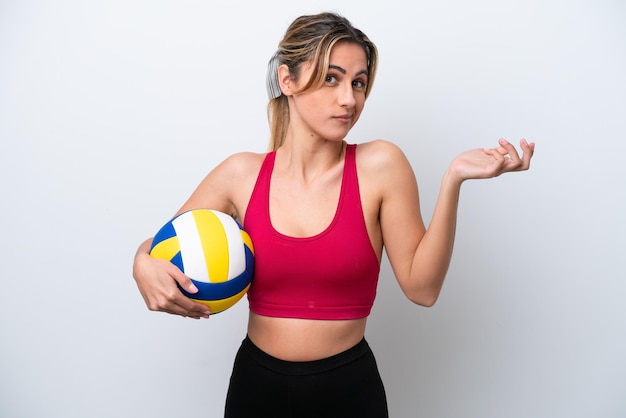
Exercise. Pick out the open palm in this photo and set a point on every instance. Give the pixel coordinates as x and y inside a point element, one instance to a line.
<point>484,163</point>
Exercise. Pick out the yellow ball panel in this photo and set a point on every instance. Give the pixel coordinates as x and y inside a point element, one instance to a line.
<point>247,240</point>
<point>166,249</point>
<point>217,306</point>
<point>213,240</point>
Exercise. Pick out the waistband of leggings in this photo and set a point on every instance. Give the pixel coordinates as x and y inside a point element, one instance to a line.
<point>305,367</point>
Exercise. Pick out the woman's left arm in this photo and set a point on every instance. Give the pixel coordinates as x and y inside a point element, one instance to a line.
<point>419,256</point>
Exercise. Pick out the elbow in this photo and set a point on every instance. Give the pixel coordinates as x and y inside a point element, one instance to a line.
<point>425,299</point>
<point>423,290</point>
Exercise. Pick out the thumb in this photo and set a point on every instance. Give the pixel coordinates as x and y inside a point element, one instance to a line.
<point>183,280</point>
<point>189,286</point>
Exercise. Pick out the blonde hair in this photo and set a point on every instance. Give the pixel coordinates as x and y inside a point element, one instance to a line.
<point>310,38</point>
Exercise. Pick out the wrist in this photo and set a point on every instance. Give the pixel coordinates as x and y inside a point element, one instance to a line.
<point>452,178</point>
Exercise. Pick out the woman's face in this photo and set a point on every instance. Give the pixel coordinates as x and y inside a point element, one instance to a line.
<point>330,112</point>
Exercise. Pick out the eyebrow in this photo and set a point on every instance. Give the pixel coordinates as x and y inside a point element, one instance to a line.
<point>343,71</point>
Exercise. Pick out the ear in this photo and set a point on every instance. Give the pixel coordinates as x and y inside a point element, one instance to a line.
<point>284,80</point>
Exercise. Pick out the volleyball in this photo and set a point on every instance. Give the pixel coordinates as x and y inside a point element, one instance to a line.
<point>213,250</point>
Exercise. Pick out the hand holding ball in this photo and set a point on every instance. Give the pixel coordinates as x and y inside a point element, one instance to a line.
<point>213,250</point>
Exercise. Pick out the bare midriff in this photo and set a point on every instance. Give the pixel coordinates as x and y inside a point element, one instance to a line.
<point>304,339</point>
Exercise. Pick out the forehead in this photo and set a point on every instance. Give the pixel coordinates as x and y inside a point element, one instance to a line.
<point>348,53</point>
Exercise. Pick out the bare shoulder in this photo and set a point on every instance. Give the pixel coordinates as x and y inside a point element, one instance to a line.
<point>236,177</point>
<point>241,165</point>
<point>229,185</point>
<point>380,159</point>
<point>378,154</point>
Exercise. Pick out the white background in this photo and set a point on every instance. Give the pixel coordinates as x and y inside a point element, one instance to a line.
<point>111,113</point>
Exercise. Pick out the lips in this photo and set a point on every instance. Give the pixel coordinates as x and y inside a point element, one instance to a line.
<point>344,118</point>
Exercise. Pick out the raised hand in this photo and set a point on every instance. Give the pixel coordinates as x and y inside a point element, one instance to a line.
<point>484,163</point>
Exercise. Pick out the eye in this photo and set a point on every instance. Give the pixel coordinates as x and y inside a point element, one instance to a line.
<point>359,84</point>
<point>330,79</point>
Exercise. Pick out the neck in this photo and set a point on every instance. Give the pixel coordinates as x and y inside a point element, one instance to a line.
<point>309,160</point>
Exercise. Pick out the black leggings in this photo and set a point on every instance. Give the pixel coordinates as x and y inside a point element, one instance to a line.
<point>345,385</point>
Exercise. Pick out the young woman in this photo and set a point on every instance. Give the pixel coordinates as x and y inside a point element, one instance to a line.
<point>319,212</point>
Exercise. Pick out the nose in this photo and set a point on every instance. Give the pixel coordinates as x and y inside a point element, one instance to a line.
<point>346,95</point>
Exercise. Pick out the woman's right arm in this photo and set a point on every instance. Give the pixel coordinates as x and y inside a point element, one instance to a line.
<point>226,188</point>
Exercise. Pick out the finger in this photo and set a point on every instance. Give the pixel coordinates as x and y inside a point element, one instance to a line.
<point>496,166</point>
<point>193,309</point>
<point>510,150</point>
<point>182,279</point>
<point>528,149</point>
<point>502,150</point>
<point>178,304</point>
<point>497,153</point>
<point>171,299</point>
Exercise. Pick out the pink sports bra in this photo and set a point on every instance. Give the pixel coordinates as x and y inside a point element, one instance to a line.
<point>332,275</point>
